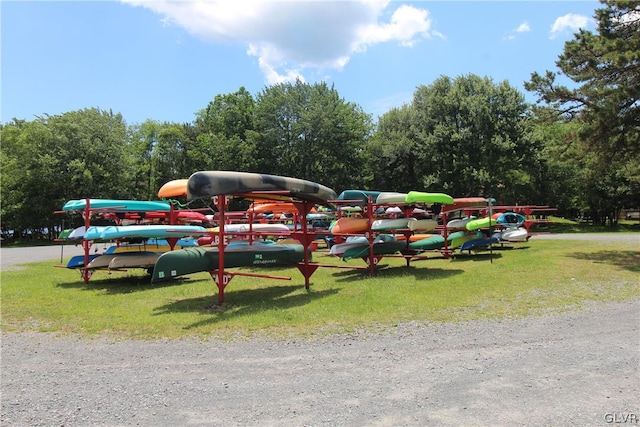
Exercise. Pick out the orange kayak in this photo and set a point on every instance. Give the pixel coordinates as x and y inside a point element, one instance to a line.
<point>175,188</point>
<point>350,225</point>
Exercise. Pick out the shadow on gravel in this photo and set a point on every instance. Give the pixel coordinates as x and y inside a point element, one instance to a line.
<point>629,260</point>
<point>244,303</point>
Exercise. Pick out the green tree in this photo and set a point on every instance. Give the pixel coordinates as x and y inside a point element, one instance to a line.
<point>465,136</point>
<point>53,159</point>
<point>225,134</point>
<point>605,67</point>
<point>309,132</point>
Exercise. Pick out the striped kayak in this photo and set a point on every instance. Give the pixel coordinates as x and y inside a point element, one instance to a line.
<point>214,183</point>
<point>194,260</point>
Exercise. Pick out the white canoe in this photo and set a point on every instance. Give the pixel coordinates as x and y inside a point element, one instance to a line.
<point>423,225</point>
<point>391,223</point>
<point>458,224</point>
<point>391,198</point>
<point>143,260</point>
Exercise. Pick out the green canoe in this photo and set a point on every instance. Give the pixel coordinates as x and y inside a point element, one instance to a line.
<point>205,258</point>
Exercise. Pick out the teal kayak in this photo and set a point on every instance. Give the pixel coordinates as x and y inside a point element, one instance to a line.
<point>359,196</point>
<point>112,205</point>
<point>197,259</point>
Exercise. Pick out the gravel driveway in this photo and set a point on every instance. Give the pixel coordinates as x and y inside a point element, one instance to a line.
<point>575,368</point>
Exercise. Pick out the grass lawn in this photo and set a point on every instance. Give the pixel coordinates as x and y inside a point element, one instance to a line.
<point>528,278</point>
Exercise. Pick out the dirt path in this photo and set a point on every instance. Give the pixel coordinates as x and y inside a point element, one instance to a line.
<point>579,368</point>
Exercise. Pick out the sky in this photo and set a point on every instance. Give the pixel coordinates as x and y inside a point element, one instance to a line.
<point>166,60</point>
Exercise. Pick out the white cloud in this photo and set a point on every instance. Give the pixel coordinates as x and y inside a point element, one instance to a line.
<point>522,28</point>
<point>290,36</point>
<point>567,22</point>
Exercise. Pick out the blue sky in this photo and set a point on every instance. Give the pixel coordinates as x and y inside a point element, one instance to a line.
<point>166,60</point>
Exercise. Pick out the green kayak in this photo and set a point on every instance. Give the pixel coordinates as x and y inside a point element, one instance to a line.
<point>205,258</point>
<point>428,198</point>
<point>382,248</point>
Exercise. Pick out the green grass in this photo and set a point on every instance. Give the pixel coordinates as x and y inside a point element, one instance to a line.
<point>531,278</point>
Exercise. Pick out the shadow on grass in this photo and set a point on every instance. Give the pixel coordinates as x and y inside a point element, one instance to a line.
<point>629,260</point>
<point>483,256</point>
<point>385,271</point>
<point>243,303</point>
<point>122,284</point>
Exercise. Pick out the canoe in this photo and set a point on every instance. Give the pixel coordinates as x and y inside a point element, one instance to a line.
<point>457,239</point>
<point>214,183</point>
<point>352,242</point>
<point>134,260</point>
<point>175,188</point>
<point>391,223</point>
<point>77,261</point>
<point>282,207</point>
<point>391,198</point>
<point>460,203</point>
<point>430,243</point>
<point>459,224</point>
<point>350,225</point>
<point>178,215</point>
<point>519,234</point>
<point>423,225</point>
<point>360,197</point>
<point>428,198</point>
<point>151,245</point>
<point>194,260</point>
<point>478,243</point>
<point>381,248</point>
<point>113,232</point>
<point>477,224</point>
<point>509,218</point>
<point>113,205</point>
<point>256,227</point>
<point>358,242</point>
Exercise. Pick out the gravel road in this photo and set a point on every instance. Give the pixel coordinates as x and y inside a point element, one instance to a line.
<point>574,368</point>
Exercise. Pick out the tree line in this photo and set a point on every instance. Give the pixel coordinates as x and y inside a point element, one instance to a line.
<point>576,150</point>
